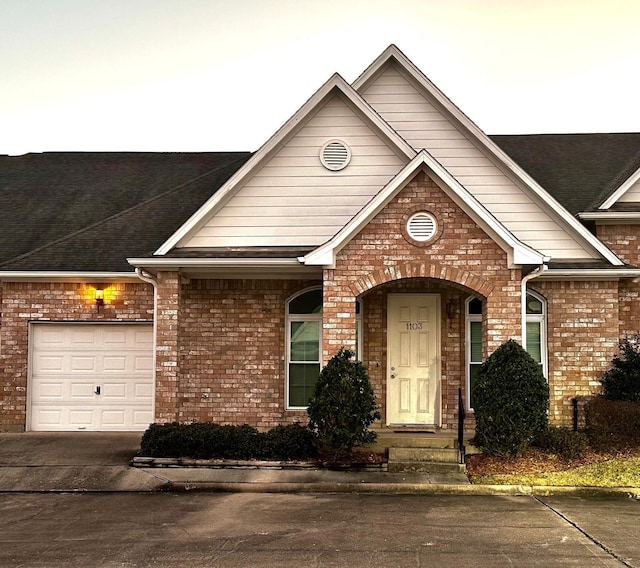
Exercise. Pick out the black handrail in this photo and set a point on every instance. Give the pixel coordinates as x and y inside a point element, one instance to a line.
<point>461,417</point>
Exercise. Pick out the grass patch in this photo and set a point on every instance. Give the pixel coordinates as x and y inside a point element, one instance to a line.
<point>618,472</point>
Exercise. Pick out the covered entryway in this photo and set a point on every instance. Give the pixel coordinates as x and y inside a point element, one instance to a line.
<point>413,359</point>
<point>86,376</point>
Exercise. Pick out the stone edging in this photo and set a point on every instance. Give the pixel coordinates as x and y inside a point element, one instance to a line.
<point>149,462</point>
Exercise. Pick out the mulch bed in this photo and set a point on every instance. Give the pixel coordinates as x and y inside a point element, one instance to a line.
<point>536,461</point>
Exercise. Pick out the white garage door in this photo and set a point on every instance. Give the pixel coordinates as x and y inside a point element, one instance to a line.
<point>91,377</point>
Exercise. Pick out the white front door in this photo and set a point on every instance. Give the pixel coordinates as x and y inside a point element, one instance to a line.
<point>413,359</point>
<point>91,377</point>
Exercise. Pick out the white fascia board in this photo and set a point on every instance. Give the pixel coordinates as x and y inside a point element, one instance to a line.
<point>610,216</point>
<point>518,252</point>
<point>226,191</point>
<point>589,274</point>
<point>170,263</point>
<point>499,156</point>
<point>64,276</point>
<point>618,193</point>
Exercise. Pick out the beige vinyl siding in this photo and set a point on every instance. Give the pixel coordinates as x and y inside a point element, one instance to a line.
<point>293,200</point>
<point>632,195</point>
<point>417,118</point>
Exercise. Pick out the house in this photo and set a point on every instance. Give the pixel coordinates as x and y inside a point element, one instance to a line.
<point>162,287</point>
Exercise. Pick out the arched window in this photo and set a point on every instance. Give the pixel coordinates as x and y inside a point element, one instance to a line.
<point>536,336</point>
<point>304,337</point>
<point>473,333</point>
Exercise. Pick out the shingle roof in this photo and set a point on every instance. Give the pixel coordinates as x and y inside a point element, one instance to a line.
<point>579,170</point>
<point>90,211</point>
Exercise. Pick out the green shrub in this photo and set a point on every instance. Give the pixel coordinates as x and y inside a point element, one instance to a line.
<point>510,400</point>
<point>612,424</point>
<point>205,440</point>
<point>562,442</point>
<point>343,406</point>
<point>622,380</point>
<point>292,442</point>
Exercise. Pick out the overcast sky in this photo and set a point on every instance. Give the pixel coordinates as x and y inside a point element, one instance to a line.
<point>209,75</point>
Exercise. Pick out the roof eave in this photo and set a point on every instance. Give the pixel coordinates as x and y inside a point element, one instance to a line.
<point>64,276</point>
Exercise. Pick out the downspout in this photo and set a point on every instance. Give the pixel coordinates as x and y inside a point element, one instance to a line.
<point>148,278</point>
<point>523,299</point>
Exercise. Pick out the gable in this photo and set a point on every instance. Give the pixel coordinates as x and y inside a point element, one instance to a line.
<point>424,122</point>
<point>632,195</point>
<point>292,199</point>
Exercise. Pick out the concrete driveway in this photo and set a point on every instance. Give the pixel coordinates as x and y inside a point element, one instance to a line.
<point>74,461</point>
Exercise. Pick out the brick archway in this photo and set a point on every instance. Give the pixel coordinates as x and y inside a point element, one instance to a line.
<point>422,270</point>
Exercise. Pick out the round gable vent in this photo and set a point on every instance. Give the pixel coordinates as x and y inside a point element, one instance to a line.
<point>422,226</point>
<point>335,155</point>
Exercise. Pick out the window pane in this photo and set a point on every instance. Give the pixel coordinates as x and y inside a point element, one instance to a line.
<point>473,375</point>
<point>534,306</point>
<point>476,341</point>
<point>475,306</point>
<point>305,341</point>
<point>534,346</point>
<point>302,381</point>
<point>307,303</point>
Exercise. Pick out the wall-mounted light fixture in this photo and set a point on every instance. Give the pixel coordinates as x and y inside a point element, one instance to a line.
<point>99,297</point>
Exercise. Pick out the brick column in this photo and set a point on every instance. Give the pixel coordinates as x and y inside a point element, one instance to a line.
<point>503,315</point>
<point>338,316</point>
<point>167,370</point>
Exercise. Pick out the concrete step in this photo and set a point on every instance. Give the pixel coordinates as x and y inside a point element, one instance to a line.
<point>425,467</point>
<point>438,455</point>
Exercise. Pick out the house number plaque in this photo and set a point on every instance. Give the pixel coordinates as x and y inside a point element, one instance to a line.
<point>414,326</point>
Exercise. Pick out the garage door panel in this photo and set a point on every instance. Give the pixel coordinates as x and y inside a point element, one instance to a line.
<point>82,364</point>
<point>70,360</point>
<point>116,363</point>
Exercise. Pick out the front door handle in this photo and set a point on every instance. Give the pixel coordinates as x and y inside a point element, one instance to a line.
<point>97,391</point>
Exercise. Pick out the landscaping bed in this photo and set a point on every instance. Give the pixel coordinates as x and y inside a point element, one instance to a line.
<point>537,467</point>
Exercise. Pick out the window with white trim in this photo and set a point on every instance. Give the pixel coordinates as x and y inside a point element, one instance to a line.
<point>473,327</point>
<point>304,337</point>
<point>536,336</point>
<point>536,329</point>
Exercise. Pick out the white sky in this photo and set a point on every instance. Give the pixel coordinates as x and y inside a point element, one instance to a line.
<point>217,75</point>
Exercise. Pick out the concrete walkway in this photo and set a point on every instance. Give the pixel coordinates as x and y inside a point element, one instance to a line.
<point>101,462</point>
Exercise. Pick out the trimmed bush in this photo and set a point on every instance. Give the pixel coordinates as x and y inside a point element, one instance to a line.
<point>205,440</point>
<point>291,442</point>
<point>612,424</point>
<point>510,400</point>
<point>342,407</point>
<point>622,380</point>
<point>562,442</point>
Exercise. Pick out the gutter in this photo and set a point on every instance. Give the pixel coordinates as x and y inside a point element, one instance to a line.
<point>523,299</point>
<point>148,278</point>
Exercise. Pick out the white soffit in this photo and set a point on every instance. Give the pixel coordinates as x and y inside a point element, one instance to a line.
<point>336,82</point>
<point>518,252</point>
<point>492,149</point>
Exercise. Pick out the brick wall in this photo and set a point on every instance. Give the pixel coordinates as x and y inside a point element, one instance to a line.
<point>582,334</point>
<point>231,359</point>
<point>24,302</point>
<point>624,240</point>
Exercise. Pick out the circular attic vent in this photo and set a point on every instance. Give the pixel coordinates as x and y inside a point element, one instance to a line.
<point>335,155</point>
<point>422,226</point>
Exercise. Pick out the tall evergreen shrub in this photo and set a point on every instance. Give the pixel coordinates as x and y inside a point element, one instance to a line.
<point>510,400</point>
<point>622,380</point>
<point>343,406</point>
